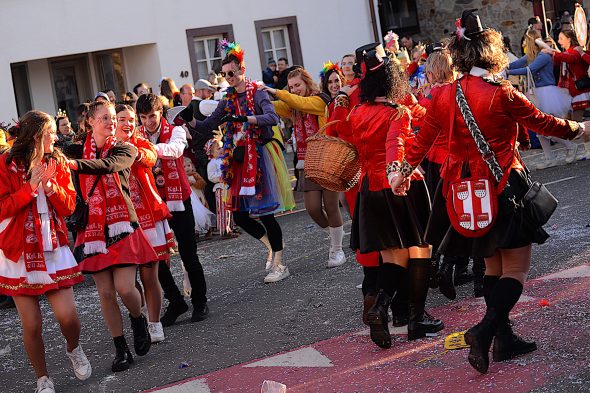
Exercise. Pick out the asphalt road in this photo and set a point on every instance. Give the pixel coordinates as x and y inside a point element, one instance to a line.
<point>250,319</point>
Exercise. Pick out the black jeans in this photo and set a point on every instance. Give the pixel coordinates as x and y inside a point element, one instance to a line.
<point>183,226</point>
<point>269,227</point>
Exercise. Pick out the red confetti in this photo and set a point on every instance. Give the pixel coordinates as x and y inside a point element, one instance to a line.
<point>544,303</point>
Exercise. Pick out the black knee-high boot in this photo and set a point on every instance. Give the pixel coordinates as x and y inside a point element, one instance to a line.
<point>420,322</point>
<point>388,282</point>
<point>371,273</point>
<point>478,269</point>
<point>507,344</point>
<point>399,302</point>
<point>503,297</point>
<point>444,277</point>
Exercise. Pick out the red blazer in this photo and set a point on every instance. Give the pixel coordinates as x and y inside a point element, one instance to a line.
<point>379,133</point>
<point>142,170</point>
<point>575,65</point>
<point>438,151</point>
<point>16,196</point>
<point>497,108</point>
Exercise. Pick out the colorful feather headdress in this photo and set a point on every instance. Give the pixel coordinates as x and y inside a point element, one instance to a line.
<point>329,66</point>
<point>232,49</point>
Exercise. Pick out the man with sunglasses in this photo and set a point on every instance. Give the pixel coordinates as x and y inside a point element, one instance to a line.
<point>255,168</point>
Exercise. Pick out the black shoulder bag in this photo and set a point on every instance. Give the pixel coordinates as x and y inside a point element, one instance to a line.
<point>538,204</point>
<point>79,218</point>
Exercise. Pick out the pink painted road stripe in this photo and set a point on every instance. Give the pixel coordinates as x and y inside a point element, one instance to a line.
<point>357,365</point>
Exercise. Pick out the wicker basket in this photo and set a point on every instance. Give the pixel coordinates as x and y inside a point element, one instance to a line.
<point>331,162</point>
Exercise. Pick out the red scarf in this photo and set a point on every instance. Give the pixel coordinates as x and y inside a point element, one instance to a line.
<point>249,168</point>
<point>305,125</point>
<point>106,206</point>
<point>34,252</point>
<point>138,198</point>
<point>170,175</point>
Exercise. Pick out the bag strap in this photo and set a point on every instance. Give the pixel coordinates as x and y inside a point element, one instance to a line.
<point>93,187</point>
<point>487,154</point>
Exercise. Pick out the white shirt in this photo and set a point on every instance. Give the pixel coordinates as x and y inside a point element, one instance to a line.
<point>214,173</point>
<point>174,148</point>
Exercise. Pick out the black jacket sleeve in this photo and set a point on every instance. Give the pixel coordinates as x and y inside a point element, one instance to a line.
<point>121,157</point>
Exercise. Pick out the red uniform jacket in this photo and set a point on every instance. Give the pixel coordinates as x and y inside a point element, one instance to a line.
<point>497,109</point>
<point>16,196</point>
<point>576,69</point>
<point>380,133</point>
<point>438,151</point>
<point>142,170</point>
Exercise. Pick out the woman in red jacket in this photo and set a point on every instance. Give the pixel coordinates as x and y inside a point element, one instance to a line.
<point>572,68</point>
<point>36,193</point>
<point>152,213</point>
<point>394,226</point>
<point>113,244</point>
<point>498,109</point>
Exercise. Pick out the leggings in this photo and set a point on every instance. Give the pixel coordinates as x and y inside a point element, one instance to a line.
<point>269,227</point>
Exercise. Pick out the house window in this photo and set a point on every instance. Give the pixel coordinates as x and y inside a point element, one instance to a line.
<point>110,71</point>
<point>278,38</point>
<point>399,15</point>
<point>22,93</point>
<point>275,43</point>
<point>203,48</point>
<point>207,54</point>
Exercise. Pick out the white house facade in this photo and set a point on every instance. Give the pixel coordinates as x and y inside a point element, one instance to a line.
<point>56,54</point>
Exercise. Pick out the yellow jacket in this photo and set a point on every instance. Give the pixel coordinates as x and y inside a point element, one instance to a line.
<point>288,102</point>
<point>3,142</point>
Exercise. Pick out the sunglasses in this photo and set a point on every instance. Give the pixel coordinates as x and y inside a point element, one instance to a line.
<point>229,73</point>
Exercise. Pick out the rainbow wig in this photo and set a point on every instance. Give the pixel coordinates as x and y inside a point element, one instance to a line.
<point>232,49</point>
<point>329,66</point>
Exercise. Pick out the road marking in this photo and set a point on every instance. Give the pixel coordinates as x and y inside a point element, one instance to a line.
<point>560,180</point>
<point>575,272</point>
<point>304,357</point>
<point>195,386</point>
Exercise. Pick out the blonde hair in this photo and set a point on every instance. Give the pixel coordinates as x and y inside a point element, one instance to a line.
<point>439,67</point>
<point>531,48</point>
<point>312,87</point>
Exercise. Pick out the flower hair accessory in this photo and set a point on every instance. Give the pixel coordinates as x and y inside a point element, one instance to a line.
<point>460,30</point>
<point>329,66</point>
<point>232,49</point>
<point>390,38</point>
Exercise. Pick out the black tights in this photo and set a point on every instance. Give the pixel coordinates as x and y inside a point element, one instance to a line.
<point>269,227</point>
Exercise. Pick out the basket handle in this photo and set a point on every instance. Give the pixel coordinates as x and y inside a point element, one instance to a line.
<point>323,129</point>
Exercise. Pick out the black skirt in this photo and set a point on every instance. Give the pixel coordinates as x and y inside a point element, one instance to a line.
<point>507,232</point>
<point>383,220</point>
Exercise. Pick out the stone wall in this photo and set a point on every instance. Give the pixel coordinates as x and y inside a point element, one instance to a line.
<point>437,17</point>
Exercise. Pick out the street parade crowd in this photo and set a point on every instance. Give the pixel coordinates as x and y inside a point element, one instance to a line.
<point>435,131</point>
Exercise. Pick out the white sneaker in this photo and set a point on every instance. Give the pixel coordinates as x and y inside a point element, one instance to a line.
<point>82,367</point>
<point>336,259</point>
<point>45,385</point>
<point>277,273</point>
<point>547,164</point>
<point>570,155</point>
<point>268,265</point>
<point>156,332</point>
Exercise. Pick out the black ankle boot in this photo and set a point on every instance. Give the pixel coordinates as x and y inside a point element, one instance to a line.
<point>462,275</point>
<point>445,278</point>
<point>508,345</point>
<point>175,309</point>
<point>420,322</point>
<point>123,357</point>
<point>377,319</point>
<point>141,336</point>
<point>479,338</point>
